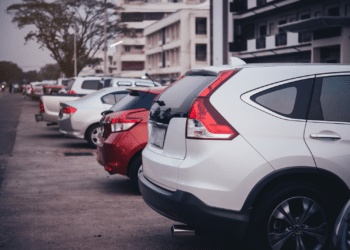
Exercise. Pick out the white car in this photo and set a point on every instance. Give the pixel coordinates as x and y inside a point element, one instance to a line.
<point>262,151</point>
<point>128,82</point>
<point>81,118</point>
<point>83,85</point>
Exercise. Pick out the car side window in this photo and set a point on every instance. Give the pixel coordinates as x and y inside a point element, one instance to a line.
<point>331,99</point>
<point>91,84</point>
<point>290,99</point>
<point>108,99</point>
<point>124,83</point>
<point>120,96</point>
<point>144,84</point>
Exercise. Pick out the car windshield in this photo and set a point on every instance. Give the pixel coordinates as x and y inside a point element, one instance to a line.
<point>135,100</point>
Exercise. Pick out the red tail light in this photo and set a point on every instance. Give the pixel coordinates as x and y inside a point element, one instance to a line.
<point>71,92</point>
<point>42,110</point>
<point>31,90</point>
<point>125,120</point>
<point>69,110</point>
<point>204,121</point>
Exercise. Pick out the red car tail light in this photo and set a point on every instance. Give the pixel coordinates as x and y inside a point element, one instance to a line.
<point>42,110</point>
<point>71,92</point>
<point>125,121</point>
<point>69,110</point>
<point>204,121</point>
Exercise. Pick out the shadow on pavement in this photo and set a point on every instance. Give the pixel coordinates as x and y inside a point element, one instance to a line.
<point>119,186</point>
<point>77,145</point>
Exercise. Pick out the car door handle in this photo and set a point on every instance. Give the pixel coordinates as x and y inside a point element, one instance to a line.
<point>325,136</point>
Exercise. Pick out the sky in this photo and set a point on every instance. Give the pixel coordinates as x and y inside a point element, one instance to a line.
<point>12,44</point>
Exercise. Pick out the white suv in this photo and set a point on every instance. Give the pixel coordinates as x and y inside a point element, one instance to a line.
<point>259,150</point>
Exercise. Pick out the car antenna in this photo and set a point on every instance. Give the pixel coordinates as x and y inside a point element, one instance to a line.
<point>147,75</point>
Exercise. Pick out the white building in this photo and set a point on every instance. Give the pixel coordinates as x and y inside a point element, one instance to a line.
<point>135,16</point>
<point>177,43</point>
<point>288,30</point>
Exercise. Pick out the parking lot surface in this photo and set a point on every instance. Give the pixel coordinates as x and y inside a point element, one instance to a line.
<point>52,201</point>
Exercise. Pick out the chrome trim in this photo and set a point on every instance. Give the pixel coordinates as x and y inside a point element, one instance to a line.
<point>246,97</point>
<point>325,136</point>
<point>333,74</point>
<point>331,122</point>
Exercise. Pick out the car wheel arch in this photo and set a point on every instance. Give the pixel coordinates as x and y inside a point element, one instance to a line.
<point>329,182</point>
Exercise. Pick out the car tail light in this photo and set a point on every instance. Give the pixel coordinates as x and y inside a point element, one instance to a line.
<point>204,121</point>
<point>42,110</point>
<point>69,110</point>
<point>125,121</point>
<point>71,92</point>
<point>31,90</point>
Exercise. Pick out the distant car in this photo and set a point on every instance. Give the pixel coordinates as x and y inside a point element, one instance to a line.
<point>125,133</point>
<point>341,233</point>
<point>128,82</point>
<point>81,118</point>
<point>15,88</point>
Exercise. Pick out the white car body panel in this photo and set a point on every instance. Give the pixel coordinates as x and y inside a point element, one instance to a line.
<point>52,106</point>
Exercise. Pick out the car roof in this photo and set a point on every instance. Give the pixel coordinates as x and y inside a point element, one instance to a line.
<point>308,68</point>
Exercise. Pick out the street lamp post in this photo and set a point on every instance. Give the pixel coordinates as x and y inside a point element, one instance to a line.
<point>105,37</point>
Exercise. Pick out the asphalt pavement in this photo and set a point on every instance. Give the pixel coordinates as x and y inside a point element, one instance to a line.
<point>52,201</point>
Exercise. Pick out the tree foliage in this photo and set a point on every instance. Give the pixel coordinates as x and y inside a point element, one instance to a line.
<point>49,72</point>
<point>55,23</point>
<point>10,71</point>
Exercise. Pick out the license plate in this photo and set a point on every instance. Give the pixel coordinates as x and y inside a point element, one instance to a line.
<point>157,136</point>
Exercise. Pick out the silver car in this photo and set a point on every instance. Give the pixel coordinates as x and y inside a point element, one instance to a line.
<point>81,118</point>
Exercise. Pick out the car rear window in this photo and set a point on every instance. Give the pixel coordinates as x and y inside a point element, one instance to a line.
<point>182,93</point>
<point>134,100</point>
<point>70,84</point>
<point>92,84</point>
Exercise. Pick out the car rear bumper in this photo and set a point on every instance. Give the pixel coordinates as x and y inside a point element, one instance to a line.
<point>186,208</point>
<point>114,154</point>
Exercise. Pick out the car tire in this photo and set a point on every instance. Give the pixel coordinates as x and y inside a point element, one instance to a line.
<point>92,135</point>
<point>308,223</point>
<point>134,170</point>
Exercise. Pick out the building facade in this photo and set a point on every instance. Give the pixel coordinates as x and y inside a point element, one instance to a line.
<point>177,43</point>
<point>134,17</point>
<point>291,31</point>
<point>98,68</point>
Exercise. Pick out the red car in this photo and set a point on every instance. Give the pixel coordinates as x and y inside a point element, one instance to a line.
<point>124,133</point>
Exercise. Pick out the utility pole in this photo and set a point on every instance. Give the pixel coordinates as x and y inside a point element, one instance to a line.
<point>75,51</point>
<point>105,36</point>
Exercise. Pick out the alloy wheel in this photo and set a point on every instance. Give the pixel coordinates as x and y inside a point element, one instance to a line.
<point>95,135</point>
<point>298,223</point>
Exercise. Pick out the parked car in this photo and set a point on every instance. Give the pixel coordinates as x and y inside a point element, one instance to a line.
<point>83,85</point>
<point>341,233</point>
<point>50,107</point>
<point>259,150</point>
<point>61,83</point>
<point>124,133</point>
<point>81,118</point>
<point>38,89</point>
<point>15,88</point>
<point>128,82</point>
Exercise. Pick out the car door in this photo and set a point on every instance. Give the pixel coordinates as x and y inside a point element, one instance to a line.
<point>327,131</point>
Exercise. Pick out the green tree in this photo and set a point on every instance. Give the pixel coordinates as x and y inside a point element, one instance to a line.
<point>49,72</point>
<point>10,71</point>
<point>55,23</point>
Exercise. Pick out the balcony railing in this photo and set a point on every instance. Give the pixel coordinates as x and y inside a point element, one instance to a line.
<point>238,45</point>
<point>261,42</point>
<point>304,37</point>
<point>281,39</point>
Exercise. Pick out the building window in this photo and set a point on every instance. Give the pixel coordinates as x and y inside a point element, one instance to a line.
<point>347,10</point>
<point>127,48</point>
<point>201,26</point>
<point>260,2</point>
<point>248,31</point>
<point>318,14</point>
<point>272,28</point>
<point>201,52</point>
<point>110,58</point>
<point>262,30</point>
<point>333,11</point>
<point>133,66</point>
